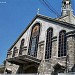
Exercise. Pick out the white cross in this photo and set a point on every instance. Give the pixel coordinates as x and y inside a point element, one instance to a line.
<point>38,11</point>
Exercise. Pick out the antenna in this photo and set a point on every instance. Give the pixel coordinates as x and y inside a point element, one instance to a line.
<point>38,10</point>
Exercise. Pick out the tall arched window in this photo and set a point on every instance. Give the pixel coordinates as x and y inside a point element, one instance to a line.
<point>33,45</point>
<point>21,46</point>
<point>14,51</point>
<point>49,43</point>
<point>62,43</point>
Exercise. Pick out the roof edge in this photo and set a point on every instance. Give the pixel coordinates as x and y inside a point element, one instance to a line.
<point>43,17</point>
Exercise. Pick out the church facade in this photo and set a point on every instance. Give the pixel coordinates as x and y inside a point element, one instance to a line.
<point>47,46</point>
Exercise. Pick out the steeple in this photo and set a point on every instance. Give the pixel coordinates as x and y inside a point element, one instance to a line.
<point>66,7</point>
<point>67,12</point>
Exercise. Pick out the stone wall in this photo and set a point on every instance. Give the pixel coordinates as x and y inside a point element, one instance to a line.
<point>11,67</point>
<point>70,52</point>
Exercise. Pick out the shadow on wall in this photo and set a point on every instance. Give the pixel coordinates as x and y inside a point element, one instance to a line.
<point>20,69</point>
<point>73,68</point>
<point>29,70</point>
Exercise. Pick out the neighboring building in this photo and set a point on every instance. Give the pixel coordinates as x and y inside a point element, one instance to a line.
<point>47,46</point>
<point>1,69</point>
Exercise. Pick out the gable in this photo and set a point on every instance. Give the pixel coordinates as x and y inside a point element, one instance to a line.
<point>45,22</point>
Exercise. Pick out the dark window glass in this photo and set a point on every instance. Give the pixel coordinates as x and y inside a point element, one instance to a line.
<point>48,43</point>
<point>33,45</point>
<point>21,46</point>
<point>62,43</point>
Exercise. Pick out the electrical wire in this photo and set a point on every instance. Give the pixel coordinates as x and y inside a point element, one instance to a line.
<point>44,5</point>
<point>51,8</point>
<point>48,7</point>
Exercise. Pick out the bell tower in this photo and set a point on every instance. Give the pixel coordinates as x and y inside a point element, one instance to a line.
<point>67,12</point>
<point>66,7</point>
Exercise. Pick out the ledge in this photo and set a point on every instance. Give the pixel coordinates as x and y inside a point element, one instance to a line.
<point>23,59</point>
<point>41,43</point>
<point>54,39</point>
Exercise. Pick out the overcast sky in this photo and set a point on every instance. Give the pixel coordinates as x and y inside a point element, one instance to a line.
<point>15,15</point>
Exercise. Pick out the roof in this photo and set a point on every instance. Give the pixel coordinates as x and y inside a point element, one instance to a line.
<point>56,21</point>
<point>45,18</point>
<point>61,17</point>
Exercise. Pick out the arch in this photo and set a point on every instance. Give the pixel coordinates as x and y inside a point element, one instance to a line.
<point>59,65</point>
<point>62,43</point>
<point>21,46</point>
<point>14,50</point>
<point>31,69</point>
<point>49,43</point>
<point>58,68</point>
<point>73,68</point>
<point>33,45</point>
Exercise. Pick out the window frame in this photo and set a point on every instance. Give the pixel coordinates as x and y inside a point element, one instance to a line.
<point>62,44</point>
<point>21,46</point>
<point>14,51</point>
<point>48,51</point>
<point>33,36</point>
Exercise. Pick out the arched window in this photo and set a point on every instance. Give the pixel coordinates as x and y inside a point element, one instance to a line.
<point>62,43</point>
<point>21,46</point>
<point>49,43</point>
<point>14,51</point>
<point>33,45</point>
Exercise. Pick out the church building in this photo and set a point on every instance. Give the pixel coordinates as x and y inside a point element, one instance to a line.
<point>46,46</point>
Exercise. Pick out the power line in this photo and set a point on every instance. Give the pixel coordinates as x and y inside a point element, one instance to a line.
<point>51,8</point>
<point>44,5</point>
<point>48,7</point>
